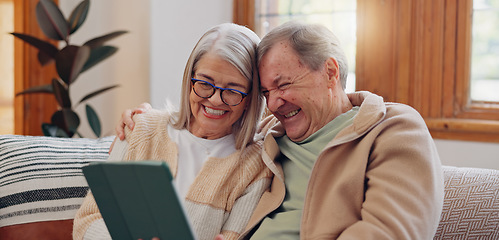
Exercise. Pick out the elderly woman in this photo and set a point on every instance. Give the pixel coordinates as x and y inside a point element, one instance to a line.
<point>209,144</point>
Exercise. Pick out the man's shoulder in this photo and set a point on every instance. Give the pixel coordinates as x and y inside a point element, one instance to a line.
<point>401,109</point>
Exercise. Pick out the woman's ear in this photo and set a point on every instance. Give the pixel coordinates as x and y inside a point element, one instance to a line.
<point>333,71</point>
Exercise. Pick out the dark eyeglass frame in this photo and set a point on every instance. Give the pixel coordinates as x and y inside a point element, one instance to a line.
<point>214,88</point>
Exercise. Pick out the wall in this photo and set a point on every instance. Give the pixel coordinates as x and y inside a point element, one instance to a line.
<point>468,154</point>
<point>176,28</point>
<point>129,66</point>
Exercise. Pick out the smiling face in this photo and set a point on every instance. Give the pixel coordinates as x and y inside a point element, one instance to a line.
<point>302,99</point>
<point>211,118</point>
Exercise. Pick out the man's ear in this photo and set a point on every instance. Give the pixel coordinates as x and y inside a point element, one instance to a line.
<point>333,71</point>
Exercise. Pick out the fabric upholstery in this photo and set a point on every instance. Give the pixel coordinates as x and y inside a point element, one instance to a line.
<point>471,204</point>
<point>41,178</point>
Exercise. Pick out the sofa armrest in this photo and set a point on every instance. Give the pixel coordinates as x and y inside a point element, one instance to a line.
<point>471,204</point>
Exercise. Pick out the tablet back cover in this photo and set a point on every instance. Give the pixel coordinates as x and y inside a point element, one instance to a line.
<point>137,200</point>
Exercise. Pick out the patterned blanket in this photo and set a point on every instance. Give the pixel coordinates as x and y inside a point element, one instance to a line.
<point>41,178</point>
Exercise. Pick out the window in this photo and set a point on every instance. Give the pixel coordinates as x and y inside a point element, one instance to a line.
<point>485,51</point>
<point>418,52</point>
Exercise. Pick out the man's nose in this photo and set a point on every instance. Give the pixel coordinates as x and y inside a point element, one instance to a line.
<point>274,101</point>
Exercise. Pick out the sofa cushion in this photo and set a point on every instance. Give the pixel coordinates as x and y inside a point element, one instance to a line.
<point>41,178</point>
<point>471,204</point>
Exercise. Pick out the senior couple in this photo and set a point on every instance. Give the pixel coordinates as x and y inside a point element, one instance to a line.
<point>324,165</point>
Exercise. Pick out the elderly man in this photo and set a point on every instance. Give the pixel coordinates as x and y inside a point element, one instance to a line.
<point>347,166</point>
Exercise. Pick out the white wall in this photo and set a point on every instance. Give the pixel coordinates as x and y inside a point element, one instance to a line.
<point>176,27</point>
<point>129,66</point>
<point>468,154</point>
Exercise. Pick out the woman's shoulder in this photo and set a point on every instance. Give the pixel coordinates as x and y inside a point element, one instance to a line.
<point>149,123</point>
<point>153,115</point>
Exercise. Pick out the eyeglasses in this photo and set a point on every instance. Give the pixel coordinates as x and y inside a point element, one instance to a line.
<point>229,96</point>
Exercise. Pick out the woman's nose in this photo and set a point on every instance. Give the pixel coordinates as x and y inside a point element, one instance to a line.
<point>216,98</point>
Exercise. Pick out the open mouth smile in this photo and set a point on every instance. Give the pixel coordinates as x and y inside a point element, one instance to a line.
<point>214,111</point>
<point>292,113</point>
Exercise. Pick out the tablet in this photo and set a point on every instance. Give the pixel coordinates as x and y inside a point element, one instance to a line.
<point>137,200</point>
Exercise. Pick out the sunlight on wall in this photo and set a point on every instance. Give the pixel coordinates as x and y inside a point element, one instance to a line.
<point>6,67</point>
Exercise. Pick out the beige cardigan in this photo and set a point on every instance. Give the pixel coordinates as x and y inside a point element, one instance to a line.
<point>379,178</point>
<point>221,198</point>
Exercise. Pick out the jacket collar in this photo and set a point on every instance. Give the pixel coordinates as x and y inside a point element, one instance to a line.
<point>371,112</point>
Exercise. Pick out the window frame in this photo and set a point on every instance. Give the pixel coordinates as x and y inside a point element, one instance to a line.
<point>418,52</point>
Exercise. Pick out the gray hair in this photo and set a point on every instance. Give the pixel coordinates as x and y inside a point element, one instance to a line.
<point>237,45</point>
<point>314,44</point>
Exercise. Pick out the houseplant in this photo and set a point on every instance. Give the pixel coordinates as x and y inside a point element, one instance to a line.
<point>70,61</point>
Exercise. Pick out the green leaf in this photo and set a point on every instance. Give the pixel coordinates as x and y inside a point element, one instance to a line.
<point>67,120</point>
<point>99,41</point>
<point>61,93</point>
<point>78,16</point>
<point>44,58</point>
<point>93,94</point>
<point>93,120</point>
<point>46,51</point>
<point>97,55</point>
<point>70,61</point>
<point>51,20</point>
<point>53,131</point>
<point>38,89</point>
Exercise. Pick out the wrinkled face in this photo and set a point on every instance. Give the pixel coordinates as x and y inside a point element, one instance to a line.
<point>211,118</point>
<point>300,98</point>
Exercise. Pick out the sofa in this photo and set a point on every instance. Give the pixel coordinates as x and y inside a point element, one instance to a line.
<point>42,186</point>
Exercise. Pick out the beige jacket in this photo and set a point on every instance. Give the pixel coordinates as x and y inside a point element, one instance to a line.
<point>379,178</point>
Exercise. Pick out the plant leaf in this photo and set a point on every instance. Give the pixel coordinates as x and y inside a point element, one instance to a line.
<point>53,131</point>
<point>93,120</point>
<point>38,89</point>
<point>51,20</point>
<point>44,58</point>
<point>98,55</point>
<point>78,16</point>
<point>102,90</point>
<point>61,93</point>
<point>44,47</point>
<point>67,120</point>
<point>69,62</point>
<point>99,41</point>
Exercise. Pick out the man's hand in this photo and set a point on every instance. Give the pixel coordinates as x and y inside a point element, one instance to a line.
<point>219,237</point>
<point>126,119</point>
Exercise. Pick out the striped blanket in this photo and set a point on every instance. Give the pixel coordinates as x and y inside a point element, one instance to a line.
<point>41,178</point>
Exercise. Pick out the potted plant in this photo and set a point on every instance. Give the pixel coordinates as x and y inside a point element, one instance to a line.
<point>70,61</point>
